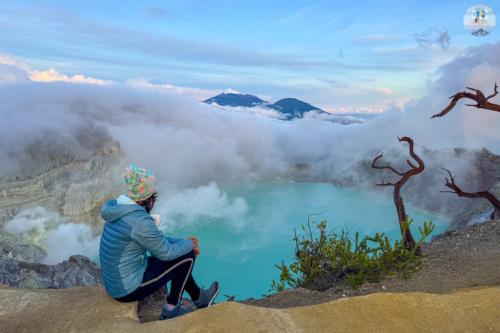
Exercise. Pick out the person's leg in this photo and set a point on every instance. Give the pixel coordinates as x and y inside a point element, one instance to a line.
<point>185,282</point>
<point>159,272</point>
<point>192,288</point>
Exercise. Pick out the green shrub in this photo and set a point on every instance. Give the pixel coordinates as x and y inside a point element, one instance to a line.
<point>324,260</point>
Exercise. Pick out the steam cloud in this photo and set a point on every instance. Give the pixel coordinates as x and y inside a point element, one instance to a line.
<point>50,232</point>
<point>211,203</point>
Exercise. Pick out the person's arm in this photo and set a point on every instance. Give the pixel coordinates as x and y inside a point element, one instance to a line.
<point>146,233</point>
<point>174,239</point>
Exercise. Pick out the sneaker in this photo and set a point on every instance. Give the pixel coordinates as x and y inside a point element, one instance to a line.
<point>179,310</point>
<point>207,296</point>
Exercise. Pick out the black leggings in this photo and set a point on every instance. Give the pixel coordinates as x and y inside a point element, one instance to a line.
<point>158,273</point>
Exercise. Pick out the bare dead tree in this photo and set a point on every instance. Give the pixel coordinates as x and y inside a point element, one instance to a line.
<point>406,234</point>
<point>450,183</point>
<point>482,102</point>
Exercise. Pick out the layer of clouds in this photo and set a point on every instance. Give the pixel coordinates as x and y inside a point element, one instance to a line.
<point>192,143</point>
<point>256,110</point>
<point>347,109</point>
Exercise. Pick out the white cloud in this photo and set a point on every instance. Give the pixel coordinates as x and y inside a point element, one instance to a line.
<point>12,69</point>
<point>11,61</point>
<point>52,75</point>
<point>349,109</point>
<point>256,110</point>
<point>196,93</point>
<point>231,91</point>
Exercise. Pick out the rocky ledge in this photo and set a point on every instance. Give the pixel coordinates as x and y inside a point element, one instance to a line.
<point>88,309</point>
<point>74,272</point>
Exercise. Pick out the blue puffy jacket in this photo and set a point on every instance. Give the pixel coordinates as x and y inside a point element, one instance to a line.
<point>128,233</point>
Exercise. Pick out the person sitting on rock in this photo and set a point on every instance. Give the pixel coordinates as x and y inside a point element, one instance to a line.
<point>129,233</point>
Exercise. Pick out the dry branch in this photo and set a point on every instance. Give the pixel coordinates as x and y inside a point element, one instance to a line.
<point>450,183</point>
<point>482,102</point>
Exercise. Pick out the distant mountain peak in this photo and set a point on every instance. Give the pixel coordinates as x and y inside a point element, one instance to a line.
<point>293,107</point>
<point>233,99</point>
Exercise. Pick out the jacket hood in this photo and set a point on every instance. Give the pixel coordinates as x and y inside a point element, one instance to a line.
<point>112,211</point>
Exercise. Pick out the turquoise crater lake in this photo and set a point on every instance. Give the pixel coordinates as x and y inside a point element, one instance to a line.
<point>240,252</point>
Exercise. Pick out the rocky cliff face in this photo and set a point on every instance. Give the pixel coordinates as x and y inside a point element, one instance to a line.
<point>70,180</point>
<point>75,272</point>
<point>74,188</point>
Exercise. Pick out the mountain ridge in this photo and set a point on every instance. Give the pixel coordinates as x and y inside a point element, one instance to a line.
<point>289,107</point>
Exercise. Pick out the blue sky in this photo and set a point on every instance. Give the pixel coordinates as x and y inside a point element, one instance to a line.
<point>337,55</point>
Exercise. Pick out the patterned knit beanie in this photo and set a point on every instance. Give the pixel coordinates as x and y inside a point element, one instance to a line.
<point>139,182</point>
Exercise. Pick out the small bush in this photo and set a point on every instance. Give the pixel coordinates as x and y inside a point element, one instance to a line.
<point>325,260</point>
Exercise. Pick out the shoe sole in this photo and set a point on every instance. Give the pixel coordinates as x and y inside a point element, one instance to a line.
<point>214,296</point>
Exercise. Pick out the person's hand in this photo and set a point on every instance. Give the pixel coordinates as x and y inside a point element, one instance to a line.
<point>196,247</point>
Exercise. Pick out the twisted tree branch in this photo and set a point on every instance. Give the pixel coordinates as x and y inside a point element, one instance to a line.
<point>450,183</point>
<point>482,102</point>
<point>384,166</point>
<point>495,92</point>
<point>382,183</point>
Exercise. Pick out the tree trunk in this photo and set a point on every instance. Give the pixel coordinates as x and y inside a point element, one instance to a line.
<point>404,227</point>
<point>414,170</point>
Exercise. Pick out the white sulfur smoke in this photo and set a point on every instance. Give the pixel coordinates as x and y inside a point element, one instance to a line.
<point>68,239</point>
<point>201,203</point>
<point>50,232</point>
